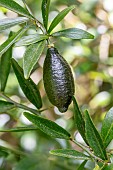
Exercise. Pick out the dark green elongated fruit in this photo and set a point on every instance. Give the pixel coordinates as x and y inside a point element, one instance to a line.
<point>58,80</point>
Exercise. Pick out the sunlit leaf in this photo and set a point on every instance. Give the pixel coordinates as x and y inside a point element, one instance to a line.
<point>5,106</point>
<point>47,126</point>
<point>45,12</point>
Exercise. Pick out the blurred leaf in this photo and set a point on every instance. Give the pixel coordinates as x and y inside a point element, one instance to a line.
<point>31,57</point>
<point>81,167</point>
<point>69,153</point>
<point>78,119</point>
<point>5,65</point>
<point>10,22</point>
<point>94,138</point>
<point>5,106</point>
<point>59,17</point>
<point>3,152</point>
<point>97,168</point>
<point>10,41</point>
<point>29,88</point>
<point>31,39</point>
<point>107,128</point>
<point>73,33</point>
<point>45,12</point>
<point>108,167</point>
<point>19,129</point>
<point>48,127</point>
<point>13,6</point>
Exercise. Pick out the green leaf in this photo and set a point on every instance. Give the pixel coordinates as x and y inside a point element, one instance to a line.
<point>31,56</point>
<point>10,22</point>
<point>13,6</point>
<point>69,153</point>
<point>81,167</point>
<point>59,17</point>
<point>78,119</point>
<point>73,33</point>
<point>107,128</point>
<point>94,138</point>
<point>3,152</point>
<point>31,39</point>
<point>5,106</point>
<point>19,129</point>
<point>45,12</point>
<point>10,41</point>
<point>48,127</point>
<point>28,86</point>
<point>5,63</point>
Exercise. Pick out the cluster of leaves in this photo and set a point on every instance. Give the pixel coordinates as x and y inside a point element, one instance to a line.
<point>36,43</point>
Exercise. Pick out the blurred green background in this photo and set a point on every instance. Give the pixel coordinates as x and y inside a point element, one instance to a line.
<point>92,66</point>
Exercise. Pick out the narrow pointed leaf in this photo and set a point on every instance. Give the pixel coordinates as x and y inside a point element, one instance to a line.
<point>81,167</point>
<point>45,12</point>
<point>10,41</point>
<point>18,129</point>
<point>5,65</point>
<point>5,106</point>
<point>73,33</point>
<point>13,6</point>
<point>78,119</point>
<point>10,22</point>
<point>94,139</point>
<point>107,128</point>
<point>31,56</point>
<point>59,17</point>
<point>31,39</point>
<point>28,86</point>
<point>69,153</point>
<point>48,127</point>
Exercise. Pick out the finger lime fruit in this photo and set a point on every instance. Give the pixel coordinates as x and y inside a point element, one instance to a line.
<point>58,80</point>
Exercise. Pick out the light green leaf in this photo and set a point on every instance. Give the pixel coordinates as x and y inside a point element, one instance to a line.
<point>107,128</point>
<point>10,22</point>
<point>13,6</point>
<point>31,39</point>
<point>59,17</point>
<point>19,129</point>
<point>45,12</point>
<point>48,127</point>
<point>31,56</point>
<point>10,41</point>
<point>94,139</point>
<point>69,153</point>
<point>5,106</point>
<point>29,88</point>
<point>73,33</point>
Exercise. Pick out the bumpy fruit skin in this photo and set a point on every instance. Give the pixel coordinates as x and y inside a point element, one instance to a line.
<point>58,80</point>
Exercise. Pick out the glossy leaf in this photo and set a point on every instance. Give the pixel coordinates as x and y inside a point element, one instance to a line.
<point>107,128</point>
<point>48,127</point>
<point>45,12</point>
<point>73,33</point>
<point>10,41</point>
<point>78,119</point>
<point>31,39</point>
<point>5,63</point>
<point>81,167</point>
<point>19,129</point>
<point>5,106</point>
<point>59,17</point>
<point>28,86</point>
<point>94,139</point>
<point>13,6</point>
<point>69,153</point>
<point>31,56</point>
<point>10,22</point>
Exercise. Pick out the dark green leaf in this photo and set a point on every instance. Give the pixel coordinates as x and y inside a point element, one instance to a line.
<point>10,41</point>
<point>13,6</point>
<point>73,33</point>
<point>78,119</point>
<point>69,153</point>
<point>59,17</point>
<point>10,22</point>
<point>19,129</point>
<point>45,12</point>
<point>31,56</point>
<point>28,86</point>
<point>5,63</point>
<point>31,39</point>
<point>94,138</point>
<point>5,106</point>
<point>81,167</point>
<point>107,128</point>
<point>48,127</point>
<point>3,152</point>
